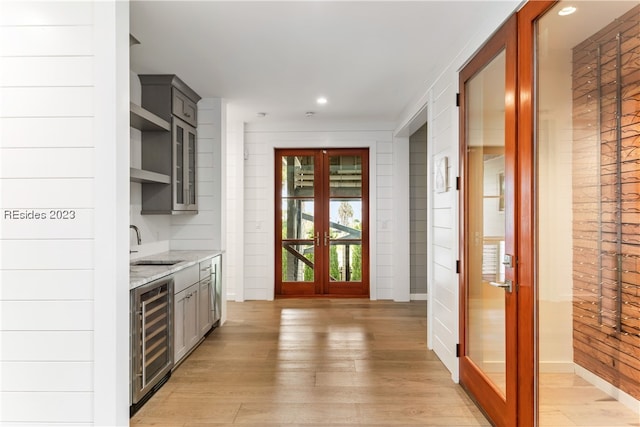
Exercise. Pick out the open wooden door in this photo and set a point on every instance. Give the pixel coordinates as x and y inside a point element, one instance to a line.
<point>488,302</point>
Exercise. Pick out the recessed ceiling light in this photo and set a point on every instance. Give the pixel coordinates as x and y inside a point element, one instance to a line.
<point>567,10</point>
<point>322,100</point>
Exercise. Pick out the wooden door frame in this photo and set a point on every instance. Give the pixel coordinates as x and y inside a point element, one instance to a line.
<point>481,389</point>
<point>528,350</point>
<point>322,188</point>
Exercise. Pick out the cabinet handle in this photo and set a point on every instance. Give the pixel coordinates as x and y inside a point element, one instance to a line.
<point>187,114</point>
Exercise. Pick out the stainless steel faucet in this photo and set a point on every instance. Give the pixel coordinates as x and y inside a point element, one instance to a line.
<point>137,233</point>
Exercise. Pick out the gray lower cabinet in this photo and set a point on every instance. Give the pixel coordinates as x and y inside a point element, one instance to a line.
<point>170,153</point>
<point>186,334</point>
<point>196,305</point>
<point>205,318</point>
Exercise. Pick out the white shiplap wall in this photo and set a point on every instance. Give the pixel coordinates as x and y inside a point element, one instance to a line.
<point>443,291</point>
<point>47,163</point>
<point>442,129</point>
<point>259,206</point>
<point>54,102</point>
<point>234,235</point>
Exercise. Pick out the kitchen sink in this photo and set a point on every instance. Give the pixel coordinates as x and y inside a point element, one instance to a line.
<point>156,262</point>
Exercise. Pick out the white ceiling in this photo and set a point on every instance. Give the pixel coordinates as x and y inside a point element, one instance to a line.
<point>370,59</point>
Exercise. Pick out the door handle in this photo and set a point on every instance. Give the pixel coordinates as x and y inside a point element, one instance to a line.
<point>326,238</point>
<point>507,285</point>
<point>317,238</point>
<point>507,261</point>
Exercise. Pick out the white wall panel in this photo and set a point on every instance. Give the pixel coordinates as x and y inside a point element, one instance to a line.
<point>445,295</point>
<point>205,159</point>
<point>384,158</point>
<point>206,175</point>
<point>384,249</point>
<point>207,203</point>
<point>179,220</point>
<point>47,193</point>
<point>443,218</point>
<point>46,101</point>
<point>46,315</point>
<point>47,254</point>
<point>385,170</point>
<point>47,71</point>
<point>61,407</point>
<point>45,13</point>
<point>46,41</point>
<point>442,237</point>
<point>42,132</point>
<point>207,188</point>
<point>195,232</point>
<point>81,226</point>
<point>385,193</point>
<point>36,162</point>
<point>193,245</point>
<point>442,256</point>
<point>63,376</point>
<point>68,346</point>
<point>34,285</point>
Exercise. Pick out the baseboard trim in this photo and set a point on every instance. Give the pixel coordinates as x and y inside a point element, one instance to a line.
<point>622,397</point>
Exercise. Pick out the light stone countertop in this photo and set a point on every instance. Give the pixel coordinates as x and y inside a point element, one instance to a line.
<point>142,274</point>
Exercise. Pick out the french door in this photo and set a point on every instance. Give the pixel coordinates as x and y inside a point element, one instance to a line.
<point>488,301</point>
<point>322,225</point>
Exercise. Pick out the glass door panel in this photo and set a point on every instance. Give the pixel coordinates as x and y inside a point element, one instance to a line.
<point>488,360</point>
<point>588,213</point>
<point>486,227</point>
<point>179,171</point>
<point>298,240</point>
<point>345,236</point>
<point>191,174</point>
<point>297,223</point>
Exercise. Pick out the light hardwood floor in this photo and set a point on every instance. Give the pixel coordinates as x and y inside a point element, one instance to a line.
<point>341,362</point>
<point>313,363</point>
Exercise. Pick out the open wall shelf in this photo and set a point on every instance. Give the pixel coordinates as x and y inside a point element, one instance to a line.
<point>144,120</point>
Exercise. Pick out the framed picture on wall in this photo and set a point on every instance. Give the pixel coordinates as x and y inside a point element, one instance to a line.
<point>441,182</point>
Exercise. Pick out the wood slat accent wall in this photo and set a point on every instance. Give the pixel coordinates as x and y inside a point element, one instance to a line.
<point>606,203</point>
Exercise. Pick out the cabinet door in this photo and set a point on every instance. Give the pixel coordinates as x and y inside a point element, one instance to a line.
<point>191,317</point>
<point>205,317</point>
<point>186,321</point>
<point>179,343</point>
<point>184,153</point>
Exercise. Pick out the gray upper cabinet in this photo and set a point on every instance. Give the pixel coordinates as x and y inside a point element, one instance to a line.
<point>170,153</point>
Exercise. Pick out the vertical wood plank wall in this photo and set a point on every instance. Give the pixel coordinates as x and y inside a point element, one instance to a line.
<point>606,203</point>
